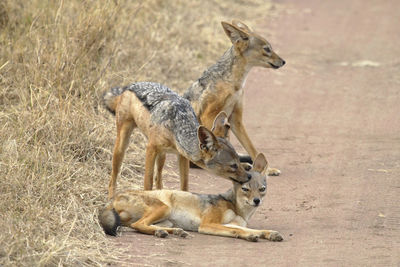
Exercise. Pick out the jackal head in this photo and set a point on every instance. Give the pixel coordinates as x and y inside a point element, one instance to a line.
<point>218,155</point>
<point>250,194</point>
<point>251,46</point>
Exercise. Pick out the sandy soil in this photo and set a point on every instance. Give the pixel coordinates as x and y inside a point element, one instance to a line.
<point>330,120</point>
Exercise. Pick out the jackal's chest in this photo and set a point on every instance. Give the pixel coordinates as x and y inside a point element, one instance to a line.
<point>223,98</point>
<point>231,101</point>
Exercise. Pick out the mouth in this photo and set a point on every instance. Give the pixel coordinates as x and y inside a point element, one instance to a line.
<point>274,66</point>
<point>253,205</point>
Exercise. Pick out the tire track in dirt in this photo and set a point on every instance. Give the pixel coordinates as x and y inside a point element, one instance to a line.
<point>329,120</point>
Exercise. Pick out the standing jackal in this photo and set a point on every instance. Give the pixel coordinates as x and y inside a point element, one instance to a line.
<point>170,125</point>
<point>220,88</point>
<point>163,212</point>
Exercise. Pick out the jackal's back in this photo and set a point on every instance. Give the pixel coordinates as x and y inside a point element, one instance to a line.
<point>221,70</point>
<point>170,110</point>
<point>166,108</point>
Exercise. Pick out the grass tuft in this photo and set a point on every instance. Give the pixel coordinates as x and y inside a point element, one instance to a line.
<point>56,59</point>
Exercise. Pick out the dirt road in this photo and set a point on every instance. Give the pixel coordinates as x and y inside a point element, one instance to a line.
<point>330,120</point>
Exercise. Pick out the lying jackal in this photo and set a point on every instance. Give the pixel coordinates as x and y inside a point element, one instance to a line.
<point>163,212</point>
<point>170,125</point>
<point>220,88</point>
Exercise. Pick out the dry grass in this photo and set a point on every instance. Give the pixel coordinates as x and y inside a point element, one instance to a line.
<point>56,59</point>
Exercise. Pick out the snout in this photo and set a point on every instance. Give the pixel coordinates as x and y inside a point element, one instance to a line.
<point>242,178</point>
<point>256,201</point>
<point>276,61</point>
<point>278,64</point>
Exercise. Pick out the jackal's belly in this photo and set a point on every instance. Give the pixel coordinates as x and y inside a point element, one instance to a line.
<point>185,219</point>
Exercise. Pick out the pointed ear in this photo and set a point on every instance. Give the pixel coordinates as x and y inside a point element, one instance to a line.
<point>221,125</point>
<point>239,38</point>
<point>260,164</point>
<point>208,141</point>
<point>241,25</point>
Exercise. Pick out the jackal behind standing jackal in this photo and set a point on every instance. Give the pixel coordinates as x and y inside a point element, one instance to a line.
<point>220,88</point>
<point>163,212</point>
<point>170,125</point>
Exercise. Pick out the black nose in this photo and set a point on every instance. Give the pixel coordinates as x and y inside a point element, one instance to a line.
<point>283,62</point>
<point>256,201</point>
<point>249,176</point>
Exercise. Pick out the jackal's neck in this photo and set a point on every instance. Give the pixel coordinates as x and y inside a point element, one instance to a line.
<point>231,68</point>
<point>239,69</point>
<point>185,130</point>
<point>243,210</point>
<point>230,196</point>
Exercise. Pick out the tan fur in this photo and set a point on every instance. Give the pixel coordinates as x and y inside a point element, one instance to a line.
<point>163,212</point>
<point>225,93</point>
<point>130,113</point>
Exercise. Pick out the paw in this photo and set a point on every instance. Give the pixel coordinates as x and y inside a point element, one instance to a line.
<point>180,232</point>
<point>245,159</point>
<point>274,236</point>
<point>252,238</point>
<point>161,233</point>
<point>273,172</point>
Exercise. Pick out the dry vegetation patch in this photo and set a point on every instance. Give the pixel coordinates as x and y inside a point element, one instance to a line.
<point>56,59</point>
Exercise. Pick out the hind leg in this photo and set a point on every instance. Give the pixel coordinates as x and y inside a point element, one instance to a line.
<point>155,213</point>
<point>245,159</point>
<point>124,131</point>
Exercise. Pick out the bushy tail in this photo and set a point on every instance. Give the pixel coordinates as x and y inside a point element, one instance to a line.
<point>110,98</point>
<point>109,220</point>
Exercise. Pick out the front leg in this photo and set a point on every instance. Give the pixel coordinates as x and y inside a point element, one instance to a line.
<point>151,154</point>
<point>236,121</point>
<point>184,172</point>
<point>228,231</point>
<point>266,234</point>
<point>271,235</point>
<point>160,161</point>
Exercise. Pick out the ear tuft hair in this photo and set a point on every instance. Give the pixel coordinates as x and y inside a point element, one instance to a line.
<point>207,139</point>
<point>241,25</point>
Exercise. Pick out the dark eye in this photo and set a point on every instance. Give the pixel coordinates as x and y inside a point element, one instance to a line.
<point>245,189</point>
<point>234,166</point>
<point>262,189</point>
<point>267,49</point>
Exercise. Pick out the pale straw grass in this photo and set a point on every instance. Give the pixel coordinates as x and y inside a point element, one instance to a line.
<point>56,59</point>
